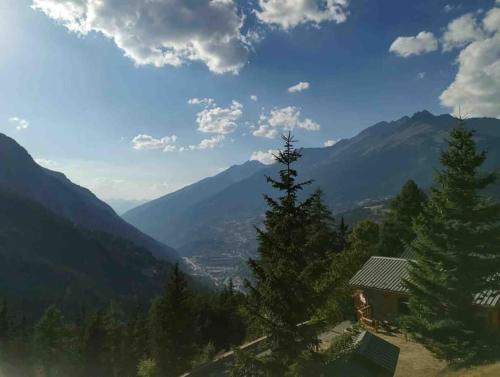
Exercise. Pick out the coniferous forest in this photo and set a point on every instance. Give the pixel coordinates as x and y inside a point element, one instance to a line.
<point>249,188</point>
<point>299,286</point>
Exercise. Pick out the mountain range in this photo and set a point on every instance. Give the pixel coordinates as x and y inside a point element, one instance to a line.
<point>60,244</point>
<point>46,259</point>
<point>211,223</point>
<point>19,173</point>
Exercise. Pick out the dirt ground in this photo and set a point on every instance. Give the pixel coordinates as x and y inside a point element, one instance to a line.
<point>416,361</point>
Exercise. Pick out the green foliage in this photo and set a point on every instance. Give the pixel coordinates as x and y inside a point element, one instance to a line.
<point>4,321</point>
<point>219,319</point>
<point>134,343</point>
<point>282,296</point>
<point>95,347</point>
<point>308,364</point>
<point>457,250</point>
<point>4,329</point>
<point>343,235</point>
<point>246,365</point>
<point>397,231</point>
<point>51,343</point>
<point>147,368</point>
<point>362,243</point>
<point>171,327</point>
<point>322,241</point>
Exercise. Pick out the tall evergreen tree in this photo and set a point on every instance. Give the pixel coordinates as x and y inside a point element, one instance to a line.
<point>50,341</point>
<point>397,227</point>
<point>94,349</point>
<point>457,250</point>
<point>171,327</point>
<point>335,284</point>
<point>4,321</point>
<point>114,333</point>
<point>322,243</point>
<point>134,344</point>
<point>4,330</point>
<point>280,298</point>
<point>343,234</point>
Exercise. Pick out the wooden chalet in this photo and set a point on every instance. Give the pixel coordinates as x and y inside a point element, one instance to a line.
<point>381,296</point>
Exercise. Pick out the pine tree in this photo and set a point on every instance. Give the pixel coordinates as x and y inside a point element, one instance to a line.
<point>322,243</point>
<point>134,343</point>
<point>147,368</point>
<point>50,341</point>
<point>114,332</point>
<point>280,298</point>
<point>171,327</point>
<point>338,293</point>
<point>457,250</point>
<point>397,227</point>
<point>94,350</point>
<point>4,330</point>
<point>4,321</point>
<point>343,235</point>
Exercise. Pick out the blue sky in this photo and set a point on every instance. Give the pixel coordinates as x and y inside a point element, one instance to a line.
<point>122,125</point>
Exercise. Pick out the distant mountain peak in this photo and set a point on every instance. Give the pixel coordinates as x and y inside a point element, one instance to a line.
<point>423,115</point>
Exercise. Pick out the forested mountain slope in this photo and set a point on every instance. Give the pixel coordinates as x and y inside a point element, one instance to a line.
<point>46,259</point>
<point>21,174</point>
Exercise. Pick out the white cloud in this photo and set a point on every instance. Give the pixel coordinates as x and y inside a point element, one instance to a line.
<point>492,20</point>
<point>264,157</point>
<point>290,13</point>
<point>448,8</point>
<point>167,32</point>
<point>476,87</point>
<point>406,46</point>
<point>461,31</point>
<point>421,75</point>
<point>218,120</point>
<point>46,163</point>
<point>201,101</point>
<point>19,123</point>
<point>330,143</point>
<point>283,119</point>
<point>265,130</point>
<point>299,87</point>
<point>253,97</point>
<point>211,143</point>
<point>142,141</point>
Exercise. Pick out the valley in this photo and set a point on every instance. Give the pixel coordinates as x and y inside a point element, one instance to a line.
<point>212,222</point>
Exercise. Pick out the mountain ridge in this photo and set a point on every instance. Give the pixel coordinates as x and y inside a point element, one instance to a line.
<point>21,174</point>
<point>369,167</point>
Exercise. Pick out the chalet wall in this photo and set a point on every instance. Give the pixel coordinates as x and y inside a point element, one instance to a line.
<point>385,305</point>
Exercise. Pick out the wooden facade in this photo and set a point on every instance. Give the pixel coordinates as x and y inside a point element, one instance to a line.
<point>380,296</point>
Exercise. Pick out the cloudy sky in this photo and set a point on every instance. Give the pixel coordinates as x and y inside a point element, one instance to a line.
<point>137,98</point>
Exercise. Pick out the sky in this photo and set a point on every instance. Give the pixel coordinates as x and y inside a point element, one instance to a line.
<point>137,98</point>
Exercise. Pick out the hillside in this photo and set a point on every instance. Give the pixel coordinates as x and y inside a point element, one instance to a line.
<point>21,174</point>
<point>46,259</point>
<point>212,220</point>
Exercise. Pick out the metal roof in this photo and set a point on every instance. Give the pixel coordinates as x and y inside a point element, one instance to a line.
<point>377,350</point>
<point>382,273</point>
<point>487,298</point>
<point>387,274</point>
